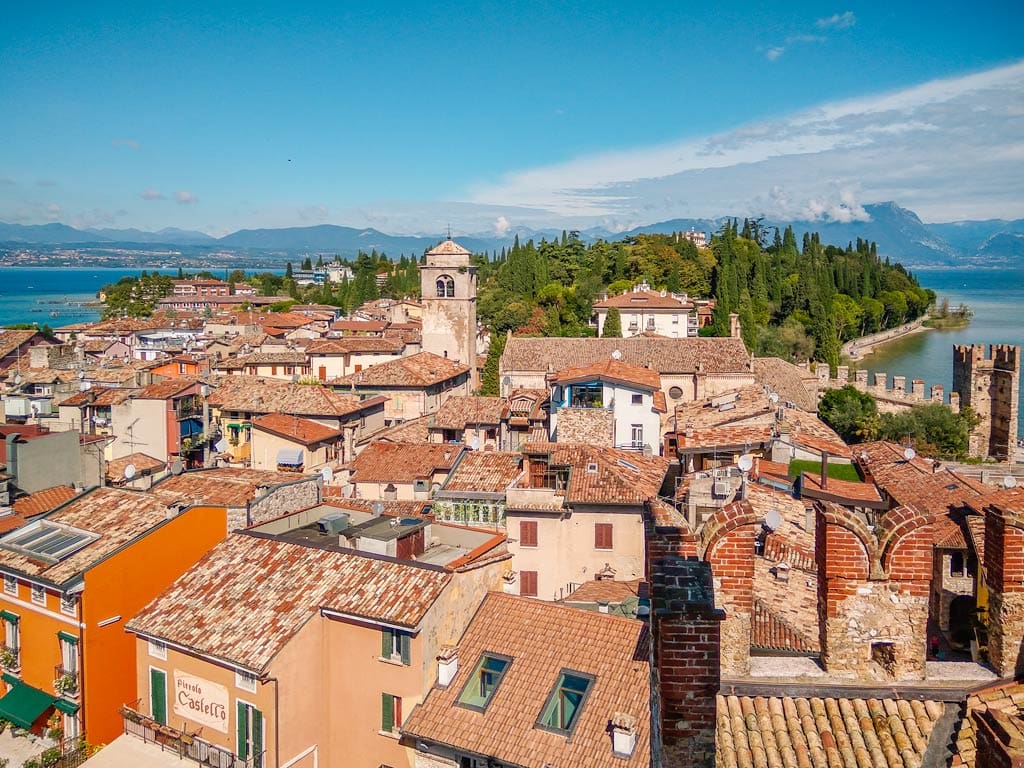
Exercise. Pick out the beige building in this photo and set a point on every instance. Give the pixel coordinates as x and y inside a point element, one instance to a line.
<point>642,310</point>
<point>293,444</point>
<point>448,290</point>
<point>333,358</point>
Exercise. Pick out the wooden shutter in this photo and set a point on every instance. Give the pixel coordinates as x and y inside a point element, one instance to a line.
<point>386,643</point>
<point>602,535</point>
<point>387,712</point>
<point>406,643</point>
<point>528,583</point>
<point>243,731</point>
<point>528,533</point>
<point>257,738</point>
<point>158,695</point>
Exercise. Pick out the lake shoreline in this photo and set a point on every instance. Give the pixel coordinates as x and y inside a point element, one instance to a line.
<point>859,348</point>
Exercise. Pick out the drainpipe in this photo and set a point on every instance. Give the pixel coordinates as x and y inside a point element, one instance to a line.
<point>81,665</point>
<point>277,722</point>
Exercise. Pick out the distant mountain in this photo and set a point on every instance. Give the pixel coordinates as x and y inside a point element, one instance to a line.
<point>664,228</point>
<point>46,233</point>
<point>1004,246</point>
<point>167,236</point>
<point>972,237</point>
<point>325,237</point>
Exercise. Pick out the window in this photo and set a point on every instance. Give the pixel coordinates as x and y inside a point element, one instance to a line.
<point>67,605</point>
<point>956,564</point>
<point>38,595</point>
<point>637,399</point>
<point>528,583</point>
<point>390,712</point>
<point>528,533</point>
<point>561,712</point>
<point>445,287</point>
<point>396,645</point>
<point>484,681</point>
<point>12,638</point>
<point>603,536</point>
<point>249,722</point>
<point>245,681</point>
<point>157,649</point>
<point>675,392</point>
<point>11,585</point>
<point>637,434</point>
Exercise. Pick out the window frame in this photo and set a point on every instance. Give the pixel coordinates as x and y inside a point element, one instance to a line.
<point>8,582</point>
<point>475,676</point>
<point>525,542</point>
<point>604,527</point>
<point>246,681</point>
<point>400,645</point>
<point>636,399</point>
<point>555,689</point>
<point>157,649</point>
<point>522,581</point>
<point>396,714</point>
<point>38,594</point>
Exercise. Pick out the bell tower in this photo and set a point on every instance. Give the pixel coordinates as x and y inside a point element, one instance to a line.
<point>448,293</point>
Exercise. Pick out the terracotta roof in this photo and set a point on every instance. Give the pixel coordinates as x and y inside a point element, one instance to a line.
<point>751,435</point>
<point>948,534</point>
<point>785,610</point>
<point>485,472</point>
<point>402,462</point>
<point>533,634</point>
<point>644,300</point>
<point>976,529</point>
<point>117,517</point>
<point>100,396</point>
<point>11,521</point>
<point>420,370</point>
<point>351,344</point>
<point>747,405</point>
<point>448,247</point>
<point>164,389</point>
<point>595,591</point>
<point>1005,696</point>
<point>43,501</point>
<point>391,508</point>
<point>295,429</point>
<point>712,355</point>
<point>246,599</point>
<point>143,463</point>
<point>790,382</point>
<point>1004,497</point>
<point>621,477</point>
<point>461,410</point>
<point>611,370</point>
<point>789,731</point>
<point>845,489</point>
<point>771,631</point>
<point>359,326</point>
<point>262,396</point>
<point>221,487</point>
<point>265,358</point>
<point>412,431</point>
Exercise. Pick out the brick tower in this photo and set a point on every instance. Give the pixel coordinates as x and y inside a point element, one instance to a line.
<point>990,386</point>
<point>448,291</point>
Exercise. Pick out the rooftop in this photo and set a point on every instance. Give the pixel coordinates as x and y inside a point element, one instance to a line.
<point>645,300</point>
<point>144,465</point>
<point>260,396</point>
<point>246,599</point>
<point>43,501</point>
<point>382,462</point>
<point>613,371</point>
<point>484,472</point>
<point>461,410</point>
<point>420,370</point>
<point>603,475</point>
<point>295,429</point>
<point>221,487</point>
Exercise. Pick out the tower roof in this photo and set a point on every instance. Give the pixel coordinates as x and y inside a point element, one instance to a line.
<point>448,247</point>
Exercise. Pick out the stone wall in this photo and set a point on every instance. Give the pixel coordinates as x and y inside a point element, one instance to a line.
<point>595,426</point>
<point>1004,572</point>
<point>277,501</point>
<point>990,385</point>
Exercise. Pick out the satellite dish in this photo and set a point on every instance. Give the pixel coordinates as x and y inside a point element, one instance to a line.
<point>83,386</point>
<point>1009,481</point>
<point>17,378</point>
<point>745,463</point>
<point>773,398</point>
<point>327,473</point>
<point>204,390</point>
<point>506,380</point>
<point>221,445</point>
<point>346,491</point>
<point>616,355</point>
<point>475,443</point>
<point>81,374</point>
<point>35,408</point>
<point>129,472</point>
<point>772,519</point>
<point>909,453</point>
<point>176,467</point>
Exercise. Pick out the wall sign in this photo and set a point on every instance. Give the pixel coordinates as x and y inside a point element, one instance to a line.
<point>201,701</point>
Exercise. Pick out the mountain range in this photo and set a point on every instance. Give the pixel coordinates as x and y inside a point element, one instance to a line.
<point>899,232</point>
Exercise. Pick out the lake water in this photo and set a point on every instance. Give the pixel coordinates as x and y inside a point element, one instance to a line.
<point>997,298</point>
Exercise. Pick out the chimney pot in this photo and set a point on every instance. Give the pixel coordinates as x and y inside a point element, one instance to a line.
<point>624,733</point>
<point>447,665</point>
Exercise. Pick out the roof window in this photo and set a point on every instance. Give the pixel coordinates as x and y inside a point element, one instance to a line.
<point>561,712</point>
<point>483,681</point>
<point>46,541</point>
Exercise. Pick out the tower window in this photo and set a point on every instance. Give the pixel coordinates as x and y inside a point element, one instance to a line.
<point>445,287</point>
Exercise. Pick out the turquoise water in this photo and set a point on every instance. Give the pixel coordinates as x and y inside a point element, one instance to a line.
<point>997,298</point>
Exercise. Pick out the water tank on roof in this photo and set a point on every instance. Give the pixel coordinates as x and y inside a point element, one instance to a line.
<point>336,522</point>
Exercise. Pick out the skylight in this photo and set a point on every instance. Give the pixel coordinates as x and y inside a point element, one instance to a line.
<point>46,541</point>
<point>561,712</point>
<point>484,681</point>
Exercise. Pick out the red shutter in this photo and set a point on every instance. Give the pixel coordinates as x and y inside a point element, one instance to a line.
<point>602,536</point>
<point>528,583</point>
<point>528,533</point>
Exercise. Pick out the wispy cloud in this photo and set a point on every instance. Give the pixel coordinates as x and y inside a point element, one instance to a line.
<point>773,53</point>
<point>185,198</point>
<point>501,226</point>
<point>151,194</point>
<point>53,211</point>
<point>127,144</point>
<point>776,51</point>
<point>837,21</point>
<point>820,162</point>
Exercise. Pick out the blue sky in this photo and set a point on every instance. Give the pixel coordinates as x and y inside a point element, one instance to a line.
<point>495,115</point>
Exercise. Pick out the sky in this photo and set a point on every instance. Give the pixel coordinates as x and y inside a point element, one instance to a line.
<point>499,115</point>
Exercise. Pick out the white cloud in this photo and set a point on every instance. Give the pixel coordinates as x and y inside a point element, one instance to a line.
<point>127,144</point>
<point>897,146</point>
<point>501,226</point>
<point>837,21</point>
<point>151,194</point>
<point>773,53</point>
<point>185,198</point>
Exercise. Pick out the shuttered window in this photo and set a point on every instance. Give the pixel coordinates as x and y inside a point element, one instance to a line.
<point>396,645</point>
<point>390,712</point>
<point>528,583</point>
<point>158,695</point>
<point>250,733</point>
<point>528,533</point>
<point>603,536</point>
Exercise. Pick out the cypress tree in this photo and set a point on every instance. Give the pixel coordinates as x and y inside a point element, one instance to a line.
<point>612,324</point>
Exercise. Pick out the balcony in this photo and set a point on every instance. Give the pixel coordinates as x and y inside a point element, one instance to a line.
<point>189,409</point>
<point>65,682</point>
<point>185,745</point>
<point>10,658</point>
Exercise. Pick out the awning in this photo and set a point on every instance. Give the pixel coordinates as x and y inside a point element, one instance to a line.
<point>8,616</point>
<point>24,704</point>
<point>68,638</point>
<point>290,457</point>
<point>65,706</point>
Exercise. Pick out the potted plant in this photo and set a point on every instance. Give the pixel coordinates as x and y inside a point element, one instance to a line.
<point>66,685</point>
<point>8,658</point>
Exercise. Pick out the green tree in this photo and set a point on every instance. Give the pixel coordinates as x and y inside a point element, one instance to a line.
<point>612,324</point>
<point>933,428</point>
<point>851,413</point>
<point>288,269</point>
<point>490,386</point>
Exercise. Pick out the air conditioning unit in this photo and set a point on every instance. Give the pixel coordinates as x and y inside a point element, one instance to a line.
<point>721,489</point>
<point>336,522</point>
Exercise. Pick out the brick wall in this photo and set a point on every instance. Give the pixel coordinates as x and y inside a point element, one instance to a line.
<point>1000,739</point>
<point>595,426</point>
<point>1004,573</point>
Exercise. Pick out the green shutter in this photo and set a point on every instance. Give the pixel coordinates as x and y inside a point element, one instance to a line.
<point>406,642</point>
<point>243,731</point>
<point>387,712</point>
<point>257,738</point>
<point>158,695</point>
<point>386,643</point>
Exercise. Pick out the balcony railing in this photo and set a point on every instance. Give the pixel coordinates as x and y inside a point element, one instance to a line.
<point>65,682</point>
<point>10,658</point>
<point>183,744</point>
<point>189,410</point>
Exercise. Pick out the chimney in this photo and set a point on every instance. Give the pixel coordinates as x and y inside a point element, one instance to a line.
<point>624,733</point>
<point>824,470</point>
<point>447,665</point>
<point>508,582</point>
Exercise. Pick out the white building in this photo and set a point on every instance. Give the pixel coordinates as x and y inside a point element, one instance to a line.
<point>645,311</point>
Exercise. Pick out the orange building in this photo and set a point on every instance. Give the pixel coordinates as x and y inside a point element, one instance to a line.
<point>71,579</point>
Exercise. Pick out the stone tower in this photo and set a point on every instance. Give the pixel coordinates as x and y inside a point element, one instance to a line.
<point>448,291</point>
<point>990,386</point>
